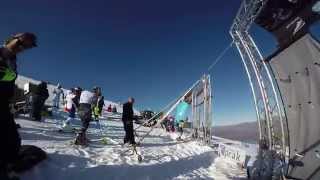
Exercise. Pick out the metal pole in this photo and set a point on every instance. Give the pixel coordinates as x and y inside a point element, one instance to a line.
<point>262,90</point>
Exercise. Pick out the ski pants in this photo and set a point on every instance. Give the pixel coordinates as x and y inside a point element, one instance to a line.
<point>9,137</point>
<point>128,128</point>
<point>56,101</point>
<point>85,114</point>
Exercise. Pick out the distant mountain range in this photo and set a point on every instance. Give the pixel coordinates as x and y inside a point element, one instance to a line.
<point>246,132</point>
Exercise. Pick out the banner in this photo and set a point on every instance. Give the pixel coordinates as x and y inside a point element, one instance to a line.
<point>181,113</point>
<point>232,154</point>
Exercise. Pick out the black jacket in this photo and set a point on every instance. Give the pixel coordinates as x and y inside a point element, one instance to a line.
<point>7,88</point>
<point>41,93</point>
<point>127,114</point>
<point>100,102</point>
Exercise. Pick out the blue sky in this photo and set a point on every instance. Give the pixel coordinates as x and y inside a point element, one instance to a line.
<point>151,50</point>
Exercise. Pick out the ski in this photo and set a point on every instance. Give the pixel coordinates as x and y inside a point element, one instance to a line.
<point>133,149</point>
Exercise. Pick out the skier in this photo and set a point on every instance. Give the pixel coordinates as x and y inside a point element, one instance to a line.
<point>9,136</point>
<point>57,94</point>
<point>127,119</point>
<point>171,124</point>
<point>76,99</point>
<point>165,124</point>
<point>109,108</point>
<point>39,97</point>
<point>99,104</point>
<point>114,109</point>
<point>70,107</point>
<point>87,103</point>
<point>180,126</point>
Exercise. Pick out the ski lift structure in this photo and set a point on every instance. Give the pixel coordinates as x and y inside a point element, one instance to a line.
<point>202,110</point>
<point>288,21</point>
<point>199,96</point>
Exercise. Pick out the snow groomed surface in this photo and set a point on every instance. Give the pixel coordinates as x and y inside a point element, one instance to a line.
<point>105,157</point>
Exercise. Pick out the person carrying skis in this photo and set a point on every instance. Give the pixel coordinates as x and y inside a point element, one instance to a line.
<point>87,103</point>
<point>9,136</point>
<point>39,97</point>
<point>57,94</point>
<point>127,119</point>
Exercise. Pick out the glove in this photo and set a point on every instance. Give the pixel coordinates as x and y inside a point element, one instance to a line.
<point>9,74</point>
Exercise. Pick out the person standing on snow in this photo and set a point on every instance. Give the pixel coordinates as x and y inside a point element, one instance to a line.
<point>87,103</point>
<point>127,119</point>
<point>109,108</point>
<point>39,97</point>
<point>171,124</point>
<point>180,126</point>
<point>76,99</point>
<point>114,109</point>
<point>99,104</point>
<point>57,94</point>
<point>9,136</point>
<point>70,107</point>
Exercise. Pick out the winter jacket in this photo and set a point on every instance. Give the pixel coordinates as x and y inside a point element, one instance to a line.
<point>76,100</point>
<point>42,92</point>
<point>100,102</point>
<point>127,114</point>
<point>57,93</point>
<point>87,97</point>
<point>8,75</point>
<point>69,98</point>
<point>114,109</point>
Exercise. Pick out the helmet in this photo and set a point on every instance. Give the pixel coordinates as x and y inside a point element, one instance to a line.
<point>79,89</point>
<point>73,90</point>
<point>96,89</point>
<point>28,40</point>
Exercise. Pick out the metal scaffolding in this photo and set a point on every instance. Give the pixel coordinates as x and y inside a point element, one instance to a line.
<point>202,110</point>
<point>267,101</point>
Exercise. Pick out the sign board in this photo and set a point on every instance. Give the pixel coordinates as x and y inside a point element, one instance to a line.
<point>232,154</point>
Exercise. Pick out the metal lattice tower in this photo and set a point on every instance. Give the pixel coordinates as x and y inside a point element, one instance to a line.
<point>267,101</point>
<point>202,110</point>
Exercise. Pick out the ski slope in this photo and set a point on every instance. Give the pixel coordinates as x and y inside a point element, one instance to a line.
<point>163,157</point>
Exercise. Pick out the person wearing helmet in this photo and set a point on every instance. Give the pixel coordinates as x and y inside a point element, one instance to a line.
<point>87,103</point>
<point>70,108</point>
<point>76,99</point>
<point>57,95</point>
<point>9,136</point>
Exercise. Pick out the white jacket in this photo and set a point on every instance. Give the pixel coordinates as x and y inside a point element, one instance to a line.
<point>69,98</point>
<point>57,93</point>
<point>87,97</point>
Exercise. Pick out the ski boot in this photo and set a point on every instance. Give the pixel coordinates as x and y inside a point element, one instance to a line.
<point>81,139</point>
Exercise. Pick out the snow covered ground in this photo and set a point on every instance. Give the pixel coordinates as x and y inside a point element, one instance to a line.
<point>163,157</point>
